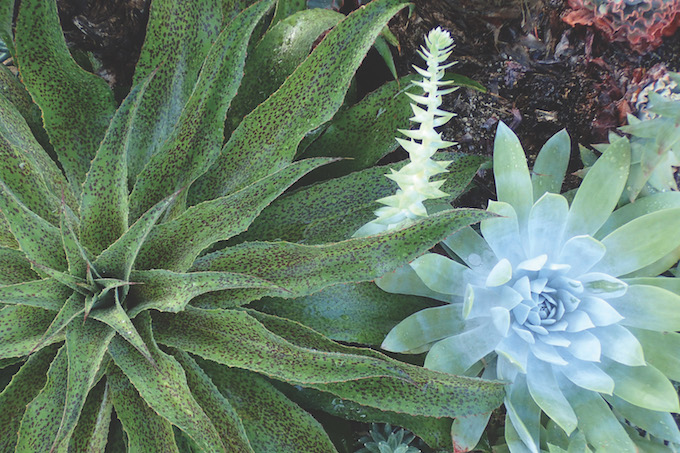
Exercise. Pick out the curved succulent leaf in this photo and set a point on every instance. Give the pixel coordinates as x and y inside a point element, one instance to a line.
<point>77,106</point>
<point>371,380</point>
<point>307,99</point>
<point>174,245</point>
<point>92,431</point>
<point>22,330</point>
<point>551,165</point>
<point>147,432</point>
<point>164,387</point>
<point>119,320</point>
<point>655,344</point>
<point>49,294</point>
<point>14,267</point>
<point>196,140</point>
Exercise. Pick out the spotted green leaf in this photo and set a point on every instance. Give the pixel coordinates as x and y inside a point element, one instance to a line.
<point>47,293</point>
<point>22,329</point>
<point>92,431</point>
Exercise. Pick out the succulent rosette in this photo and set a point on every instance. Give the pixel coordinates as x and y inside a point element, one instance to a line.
<point>561,300</point>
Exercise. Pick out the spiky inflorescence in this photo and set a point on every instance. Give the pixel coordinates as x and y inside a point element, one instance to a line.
<point>414,178</point>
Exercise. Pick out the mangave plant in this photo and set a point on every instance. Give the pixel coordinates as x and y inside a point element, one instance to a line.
<point>561,300</point>
<point>123,323</point>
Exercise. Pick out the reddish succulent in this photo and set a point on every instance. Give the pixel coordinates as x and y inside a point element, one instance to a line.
<point>643,23</point>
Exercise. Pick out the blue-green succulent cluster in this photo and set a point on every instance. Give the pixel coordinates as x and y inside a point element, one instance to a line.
<point>562,301</point>
<point>387,440</point>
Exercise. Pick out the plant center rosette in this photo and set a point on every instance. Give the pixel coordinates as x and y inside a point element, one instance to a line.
<point>560,299</point>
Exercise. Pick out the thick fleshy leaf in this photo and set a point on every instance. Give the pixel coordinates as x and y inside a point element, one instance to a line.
<point>37,238</point>
<point>547,220</point>
<point>603,431</point>
<point>196,140</point>
<point>635,306</point>
<point>355,313</point>
<point>404,280</point>
<point>86,345</point>
<point>587,376</point>
<point>48,294</point>
<point>77,106</point>
<point>169,291</point>
<point>27,169</point>
<point>470,247</point>
<point>217,407</point>
<point>174,245</point>
<point>364,133</point>
<point>303,269</point>
<point>620,345</point>
<point>435,432</point>
<point>644,205</point>
<point>25,385</point>
<point>658,424</point>
<point>643,386</point>
<point>546,392</point>
<point>307,99</point>
<point>22,329</point>
<point>457,353</point>
<point>600,191</point>
<point>551,165</point>
<point>467,431</point>
<point>581,253</point>
<point>334,210</point>
<point>285,45</point>
<point>513,183</point>
<point>602,285</point>
<point>104,203</point>
<point>502,233</point>
<point>72,308</point>
<point>423,328</point>
<point>14,267</point>
<point>236,339</point>
<point>272,421</point>
<point>440,273</point>
<point>116,318</point>
<point>147,432</point>
<point>176,58</point>
<point>92,431</point>
<point>656,346</point>
<point>523,413</point>
<point>640,242</point>
<point>43,415</point>
<point>164,387</point>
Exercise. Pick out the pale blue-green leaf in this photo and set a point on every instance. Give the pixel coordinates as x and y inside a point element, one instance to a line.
<point>503,233</point>
<point>25,385</point>
<point>587,376</point>
<point>658,424</point>
<point>599,311</point>
<point>620,345</point>
<point>513,441</point>
<point>86,344</point>
<point>602,285</point>
<point>649,307</point>
<point>584,346</point>
<point>671,284</point>
<point>479,302</point>
<point>631,211</point>
<point>472,249</point>
<point>546,392</point>
<point>458,352</point>
<point>176,57</point>
<point>657,347</point>
<point>658,267</point>
<point>164,387</point>
<point>48,294</point>
<point>223,415</point>
<point>640,242</point>
<point>603,431</point>
<point>643,386</point>
<point>547,220</point>
<point>425,327</point>
<point>466,431</point>
<point>77,106</point>
<point>404,280</point>
<point>524,414</point>
<point>268,138</point>
<point>513,183</point>
<point>195,142</point>
<point>500,274</point>
<point>600,191</point>
<point>440,273</point>
<point>551,165</point>
<point>147,432</point>
<point>43,415</point>
<point>581,253</point>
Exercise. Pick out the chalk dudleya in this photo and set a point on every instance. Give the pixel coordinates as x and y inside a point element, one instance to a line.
<point>562,301</point>
<point>413,179</point>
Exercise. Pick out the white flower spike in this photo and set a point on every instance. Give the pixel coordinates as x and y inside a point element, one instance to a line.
<point>413,179</point>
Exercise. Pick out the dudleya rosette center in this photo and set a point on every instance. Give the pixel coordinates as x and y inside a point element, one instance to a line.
<point>561,300</point>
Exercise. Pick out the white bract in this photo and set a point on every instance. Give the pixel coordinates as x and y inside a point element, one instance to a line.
<point>560,300</point>
<point>413,179</point>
